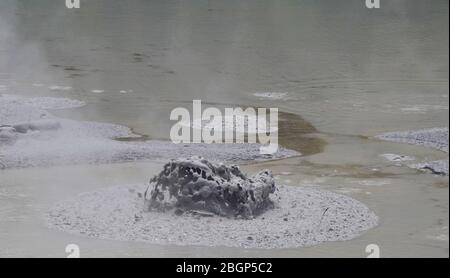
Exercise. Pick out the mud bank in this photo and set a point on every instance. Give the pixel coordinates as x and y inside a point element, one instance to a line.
<point>302,216</point>
<point>26,140</point>
<point>436,138</point>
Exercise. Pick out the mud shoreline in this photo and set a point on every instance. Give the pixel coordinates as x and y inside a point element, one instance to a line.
<point>436,138</point>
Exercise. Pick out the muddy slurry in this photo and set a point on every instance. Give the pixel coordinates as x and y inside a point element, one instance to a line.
<point>297,134</point>
<point>301,217</point>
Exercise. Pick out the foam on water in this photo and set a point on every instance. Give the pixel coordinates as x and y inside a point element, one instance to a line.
<point>422,108</point>
<point>396,157</point>
<point>60,88</point>
<point>272,95</point>
<point>97,91</point>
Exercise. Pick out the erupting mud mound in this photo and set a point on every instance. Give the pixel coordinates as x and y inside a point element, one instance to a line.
<point>197,184</point>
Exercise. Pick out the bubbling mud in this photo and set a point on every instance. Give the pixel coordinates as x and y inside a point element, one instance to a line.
<point>301,216</point>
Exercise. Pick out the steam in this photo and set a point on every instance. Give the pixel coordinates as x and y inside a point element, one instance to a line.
<point>23,59</point>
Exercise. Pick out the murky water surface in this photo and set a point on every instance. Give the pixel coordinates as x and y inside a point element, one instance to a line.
<point>343,73</point>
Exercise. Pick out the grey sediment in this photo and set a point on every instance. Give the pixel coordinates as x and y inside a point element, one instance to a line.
<point>301,216</point>
<point>81,142</point>
<point>435,138</point>
<point>295,133</point>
